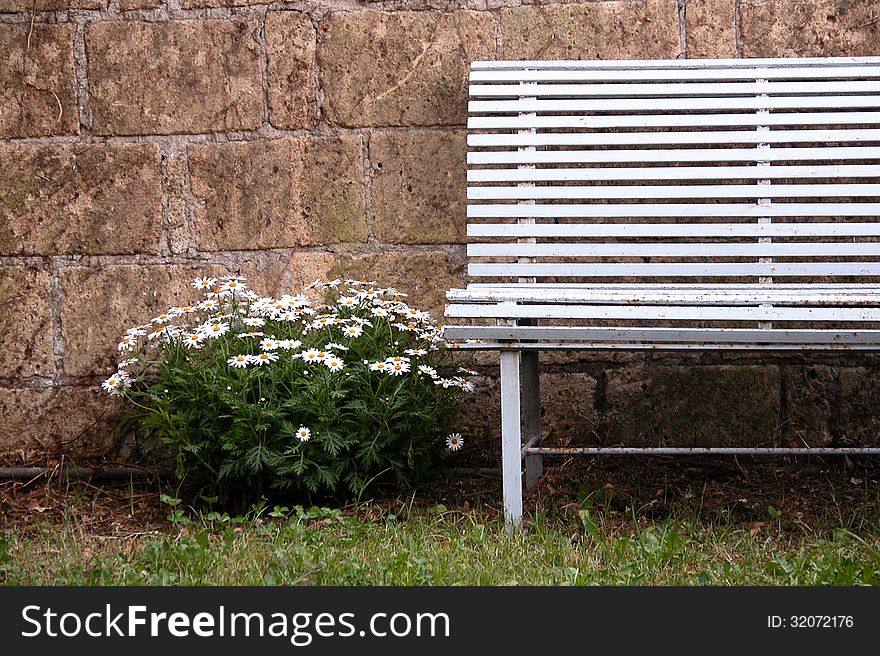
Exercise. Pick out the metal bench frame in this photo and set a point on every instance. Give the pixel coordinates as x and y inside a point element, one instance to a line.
<point>739,172</point>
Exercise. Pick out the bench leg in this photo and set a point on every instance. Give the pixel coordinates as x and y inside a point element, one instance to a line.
<point>511,439</point>
<point>531,409</point>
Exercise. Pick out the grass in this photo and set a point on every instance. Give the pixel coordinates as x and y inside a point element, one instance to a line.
<point>405,545</point>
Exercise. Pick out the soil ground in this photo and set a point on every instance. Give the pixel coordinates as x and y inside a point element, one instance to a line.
<point>817,493</point>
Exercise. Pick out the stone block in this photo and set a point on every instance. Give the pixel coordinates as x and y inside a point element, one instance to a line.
<point>37,80</point>
<point>692,406</point>
<point>279,193</point>
<point>400,68</point>
<point>419,186</point>
<point>25,323</point>
<point>174,77</point>
<point>592,30</point>
<point>58,199</point>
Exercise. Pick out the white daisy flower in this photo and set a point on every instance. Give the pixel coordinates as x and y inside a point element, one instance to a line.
<point>214,330</point>
<point>239,361</point>
<point>269,344</point>
<point>127,344</point>
<point>324,321</point>
<point>428,371</point>
<point>194,340</point>
<point>465,370</point>
<point>333,345</point>
<point>160,331</point>
<point>204,283</point>
<point>454,441</point>
<point>233,286</point>
<point>352,331</point>
<point>137,331</point>
<point>406,327</point>
<point>209,304</point>
<point>379,366</point>
<point>264,358</point>
<point>368,293</point>
<point>311,355</point>
<point>333,363</point>
<point>116,383</point>
<point>445,382</point>
<point>397,359</point>
<point>362,322</point>
<point>254,322</point>
<point>127,363</point>
<point>398,368</point>
<point>162,318</point>
<point>303,433</point>
<point>251,333</point>
<point>347,301</point>
<point>379,312</point>
<point>416,352</point>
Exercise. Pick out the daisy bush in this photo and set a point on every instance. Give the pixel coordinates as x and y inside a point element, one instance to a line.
<point>258,393</point>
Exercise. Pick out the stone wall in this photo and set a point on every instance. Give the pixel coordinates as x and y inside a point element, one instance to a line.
<point>143,142</point>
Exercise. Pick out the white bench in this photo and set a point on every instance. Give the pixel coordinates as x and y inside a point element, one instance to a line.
<point>684,204</point>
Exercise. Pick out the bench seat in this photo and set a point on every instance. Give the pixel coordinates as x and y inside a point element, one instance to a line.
<point>665,204</point>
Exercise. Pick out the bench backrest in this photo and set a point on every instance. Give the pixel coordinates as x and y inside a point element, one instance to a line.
<point>723,169</point>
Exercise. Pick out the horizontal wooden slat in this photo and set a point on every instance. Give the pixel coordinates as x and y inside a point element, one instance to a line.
<point>609,74</point>
<point>708,250</point>
<point>586,174</point>
<point>636,230</point>
<point>662,312</point>
<point>678,269</point>
<point>660,335</point>
<point>672,104</point>
<point>691,89</point>
<point>531,121</point>
<point>770,63</point>
<point>673,210</point>
<point>625,192</point>
<point>673,155</point>
<point>649,138</point>
<point>627,294</point>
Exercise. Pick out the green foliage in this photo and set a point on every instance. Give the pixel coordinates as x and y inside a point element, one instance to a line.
<point>258,394</point>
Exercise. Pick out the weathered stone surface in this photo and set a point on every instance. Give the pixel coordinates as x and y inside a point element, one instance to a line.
<point>568,411</point>
<point>131,5</point>
<point>12,6</point>
<point>174,77</point>
<point>273,274</point>
<point>817,28</point>
<point>195,4</point>
<point>809,398</point>
<point>279,193</point>
<point>692,406</point>
<point>858,407</point>
<point>592,30</point>
<point>100,303</point>
<point>39,422</point>
<point>419,186</point>
<point>290,47</point>
<point>424,275</point>
<point>711,29</point>
<point>177,220</point>
<point>78,199</point>
<point>25,323</point>
<point>400,68</point>
<point>37,87</point>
